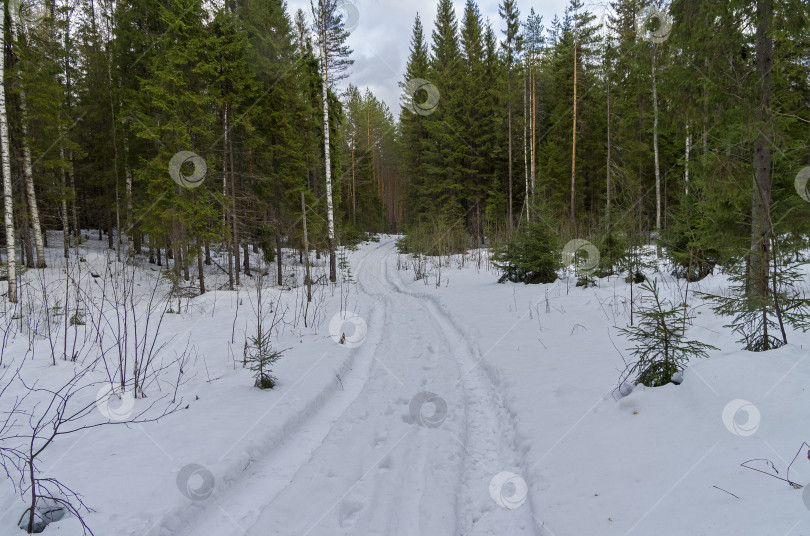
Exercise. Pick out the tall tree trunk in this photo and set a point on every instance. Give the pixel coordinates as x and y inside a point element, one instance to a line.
<point>200,271</point>
<point>306,250</point>
<point>8,199</point>
<point>279,257</point>
<point>226,212</point>
<point>705,111</point>
<point>330,210</point>
<point>607,166</point>
<point>761,200</point>
<point>184,250</point>
<point>75,218</point>
<point>236,260</point>
<point>178,257</point>
<point>109,232</point>
<point>686,156</point>
<point>655,149</point>
<point>26,249</point>
<point>115,155</point>
<point>509,126</point>
<point>534,130</point>
<point>65,226</point>
<point>574,136</point>
<point>131,233</point>
<point>525,140</point>
<point>354,188</point>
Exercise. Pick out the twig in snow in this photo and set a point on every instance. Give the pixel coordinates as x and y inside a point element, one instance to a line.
<point>721,489</point>
<point>743,464</point>
<point>787,475</point>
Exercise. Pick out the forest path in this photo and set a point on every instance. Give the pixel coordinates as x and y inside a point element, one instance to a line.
<point>409,448</point>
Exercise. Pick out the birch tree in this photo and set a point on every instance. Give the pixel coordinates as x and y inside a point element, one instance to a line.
<point>334,60</point>
<point>8,195</point>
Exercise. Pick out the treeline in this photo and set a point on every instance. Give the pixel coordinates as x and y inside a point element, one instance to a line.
<point>180,128</point>
<point>674,118</point>
<point>189,132</point>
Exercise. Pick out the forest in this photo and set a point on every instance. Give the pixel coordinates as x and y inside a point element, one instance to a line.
<point>688,121</point>
<point>172,164</point>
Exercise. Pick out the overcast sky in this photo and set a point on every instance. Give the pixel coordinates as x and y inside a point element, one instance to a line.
<point>381,39</point>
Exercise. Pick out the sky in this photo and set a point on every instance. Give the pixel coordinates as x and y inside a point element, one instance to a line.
<point>381,39</point>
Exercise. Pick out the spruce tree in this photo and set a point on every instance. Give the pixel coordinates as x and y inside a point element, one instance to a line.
<point>661,348</point>
<point>442,159</point>
<point>412,127</point>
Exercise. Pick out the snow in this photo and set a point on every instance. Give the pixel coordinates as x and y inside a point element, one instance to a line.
<point>463,407</point>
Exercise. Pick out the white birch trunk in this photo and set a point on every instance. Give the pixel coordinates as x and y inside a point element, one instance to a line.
<point>8,202</point>
<point>330,213</point>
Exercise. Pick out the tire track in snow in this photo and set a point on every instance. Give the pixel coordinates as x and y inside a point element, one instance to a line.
<point>377,472</point>
<point>232,507</point>
<point>491,441</point>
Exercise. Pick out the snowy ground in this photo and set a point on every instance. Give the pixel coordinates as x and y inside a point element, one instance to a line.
<point>459,408</point>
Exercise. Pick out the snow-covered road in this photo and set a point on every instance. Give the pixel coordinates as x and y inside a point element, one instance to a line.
<point>465,408</point>
<point>409,447</point>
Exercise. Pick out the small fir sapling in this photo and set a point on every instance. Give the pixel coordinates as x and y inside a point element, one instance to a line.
<point>260,359</point>
<point>661,348</point>
<point>760,318</point>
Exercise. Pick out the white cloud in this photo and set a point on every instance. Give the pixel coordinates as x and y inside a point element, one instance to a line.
<point>381,41</point>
